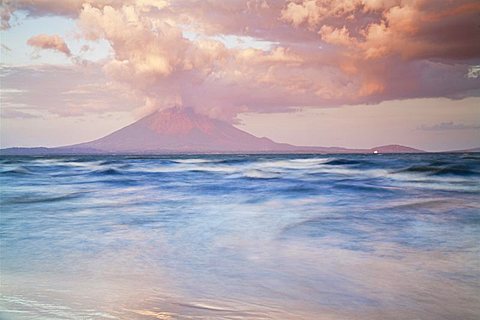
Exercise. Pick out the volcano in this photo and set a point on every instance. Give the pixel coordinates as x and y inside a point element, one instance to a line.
<point>181,130</point>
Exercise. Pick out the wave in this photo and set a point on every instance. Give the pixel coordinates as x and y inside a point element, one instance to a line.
<point>186,168</point>
<point>349,229</point>
<point>108,162</point>
<point>457,170</point>
<point>423,204</point>
<point>300,189</point>
<point>471,157</point>
<point>310,160</point>
<point>289,164</point>
<point>193,161</point>
<point>28,199</point>
<point>18,171</point>
<point>340,162</point>
<point>114,164</point>
<point>234,161</point>
<point>108,172</point>
<point>259,174</point>
<point>80,159</point>
<point>363,187</point>
<point>11,161</point>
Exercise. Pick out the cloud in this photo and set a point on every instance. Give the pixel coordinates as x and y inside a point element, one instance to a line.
<point>68,8</point>
<point>444,126</point>
<point>61,90</point>
<point>338,36</point>
<point>409,29</point>
<point>53,42</point>
<point>16,114</point>
<point>319,53</point>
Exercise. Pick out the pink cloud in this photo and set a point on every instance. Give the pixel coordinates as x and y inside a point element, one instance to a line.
<point>62,90</point>
<point>450,125</point>
<point>53,42</point>
<point>321,53</point>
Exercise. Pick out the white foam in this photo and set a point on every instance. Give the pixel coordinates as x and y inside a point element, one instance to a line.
<point>259,174</point>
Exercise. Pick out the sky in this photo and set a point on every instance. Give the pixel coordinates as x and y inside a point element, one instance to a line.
<point>350,73</point>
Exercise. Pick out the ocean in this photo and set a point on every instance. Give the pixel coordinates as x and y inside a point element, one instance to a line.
<point>386,236</point>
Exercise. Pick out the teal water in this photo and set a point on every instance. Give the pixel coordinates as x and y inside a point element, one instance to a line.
<point>240,237</point>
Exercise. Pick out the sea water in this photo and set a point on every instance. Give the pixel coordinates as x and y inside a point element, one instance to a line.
<point>240,237</point>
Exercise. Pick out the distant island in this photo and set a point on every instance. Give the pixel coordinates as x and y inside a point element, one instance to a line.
<point>181,130</point>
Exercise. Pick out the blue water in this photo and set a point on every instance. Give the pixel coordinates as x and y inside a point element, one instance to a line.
<point>240,237</point>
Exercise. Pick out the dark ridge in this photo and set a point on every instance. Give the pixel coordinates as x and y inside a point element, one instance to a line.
<point>340,162</point>
<point>18,171</point>
<point>459,170</point>
<point>41,199</point>
<point>108,172</point>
